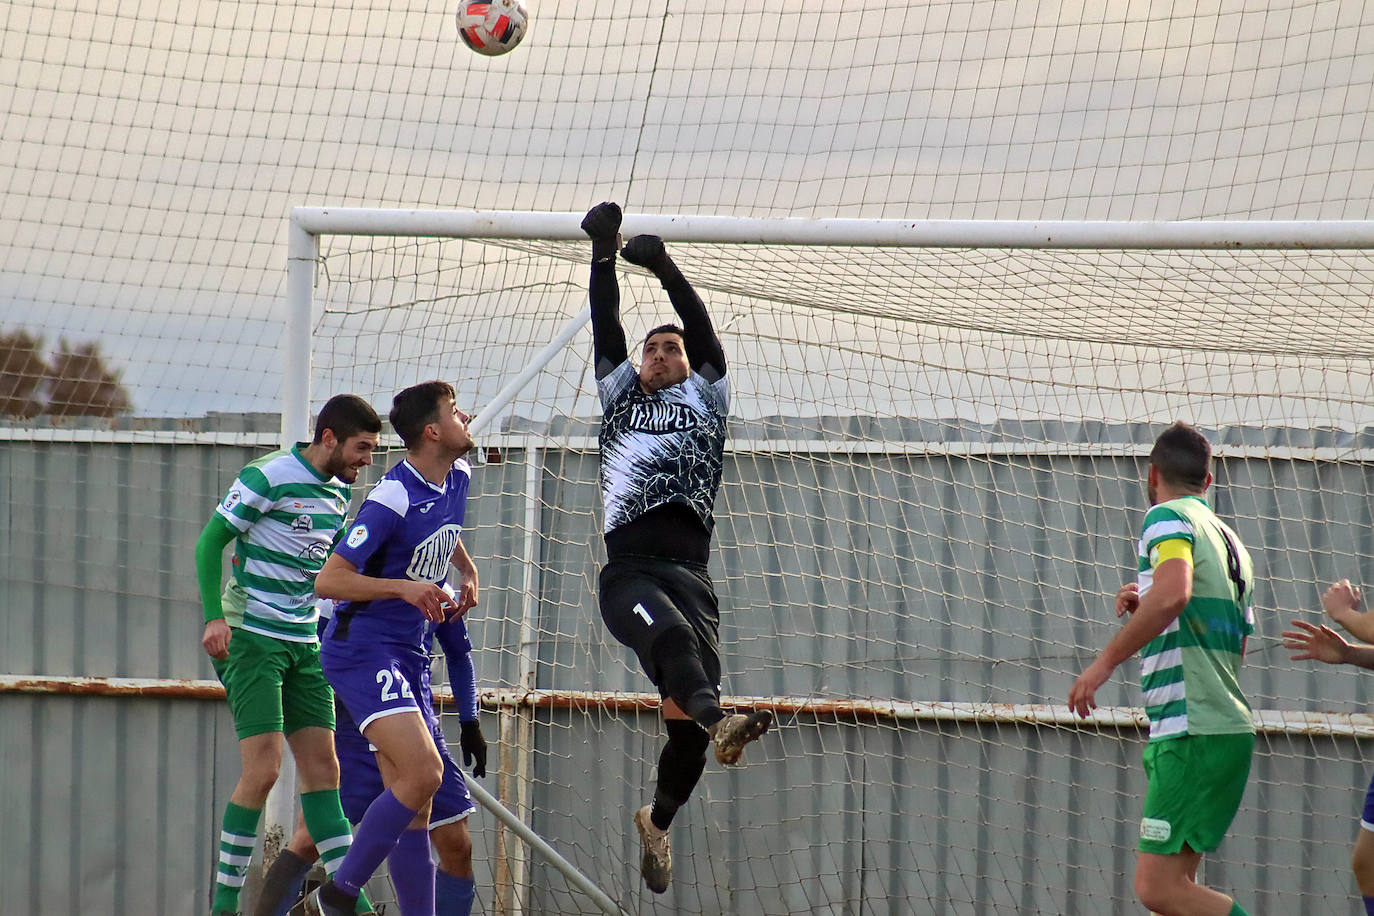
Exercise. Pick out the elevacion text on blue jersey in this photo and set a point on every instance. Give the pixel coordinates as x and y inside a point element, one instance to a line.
<point>407,528</point>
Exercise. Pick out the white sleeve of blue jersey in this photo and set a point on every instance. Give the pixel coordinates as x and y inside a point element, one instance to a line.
<point>392,494</point>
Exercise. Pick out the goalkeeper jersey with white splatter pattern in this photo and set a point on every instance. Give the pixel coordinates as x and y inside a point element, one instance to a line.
<point>661,448</point>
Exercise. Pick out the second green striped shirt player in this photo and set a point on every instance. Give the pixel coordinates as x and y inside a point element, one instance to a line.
<point>283,513</point>
<point>1191,613</point>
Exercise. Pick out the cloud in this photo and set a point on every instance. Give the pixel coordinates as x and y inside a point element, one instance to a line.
<point>151,156</point>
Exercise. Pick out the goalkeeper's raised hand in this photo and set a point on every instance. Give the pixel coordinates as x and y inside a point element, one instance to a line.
<point>602,221</point>
<point>649,252</point>
<point>602,224</point>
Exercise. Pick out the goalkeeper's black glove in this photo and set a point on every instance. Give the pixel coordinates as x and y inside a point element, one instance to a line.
<point>602,224</point>
<point>474,747</point>
<point>648,251</point>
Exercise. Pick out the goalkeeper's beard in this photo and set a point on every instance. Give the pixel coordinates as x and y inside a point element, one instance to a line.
<point>657,379</point>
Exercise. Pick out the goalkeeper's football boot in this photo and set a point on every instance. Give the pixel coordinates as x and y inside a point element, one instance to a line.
<point>732,733</point>
<point>656,866</point>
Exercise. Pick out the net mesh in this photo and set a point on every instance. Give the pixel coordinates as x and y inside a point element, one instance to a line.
<point>911,427</point>
<point>934,484</point>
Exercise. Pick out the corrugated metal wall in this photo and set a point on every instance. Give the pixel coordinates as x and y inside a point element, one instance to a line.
<point>110,805</point>
<point>987,581</point>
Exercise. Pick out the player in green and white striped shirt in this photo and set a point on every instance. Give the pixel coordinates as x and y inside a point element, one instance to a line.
<point>1191,613</point>
<point>284,513</point>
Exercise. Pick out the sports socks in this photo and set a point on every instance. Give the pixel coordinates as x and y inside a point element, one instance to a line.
<point>324,818</point>
<point>331,833</point>
<point>411,864</point>
<point>281,886</point>
<point>679,768</point>
<point>382,825</point>
<point>453,896</point>
<point>238,833</point>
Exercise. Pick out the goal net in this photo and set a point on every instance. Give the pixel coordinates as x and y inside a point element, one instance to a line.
<point>934,484</point>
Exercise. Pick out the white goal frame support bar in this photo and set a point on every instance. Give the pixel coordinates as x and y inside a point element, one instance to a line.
<point>307,224</point>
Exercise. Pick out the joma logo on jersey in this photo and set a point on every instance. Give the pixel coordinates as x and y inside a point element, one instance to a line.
<point>429,562</point>
<point>661,417</point>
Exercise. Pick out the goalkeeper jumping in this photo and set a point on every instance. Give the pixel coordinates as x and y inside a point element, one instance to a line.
<point>662,447</point>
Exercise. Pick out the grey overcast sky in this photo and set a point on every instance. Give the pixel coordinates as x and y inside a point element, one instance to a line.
<point>150,152</point>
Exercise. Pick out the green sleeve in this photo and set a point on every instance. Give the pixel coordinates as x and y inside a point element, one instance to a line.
<point>217,535</point>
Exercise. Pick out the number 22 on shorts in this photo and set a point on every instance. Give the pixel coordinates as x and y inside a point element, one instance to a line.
<point>390,679</point>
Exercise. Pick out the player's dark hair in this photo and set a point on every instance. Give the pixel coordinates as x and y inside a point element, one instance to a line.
<point>665,329</point>
<point>1183,457</point>
<point>416,407</point>
<point>346,415</point>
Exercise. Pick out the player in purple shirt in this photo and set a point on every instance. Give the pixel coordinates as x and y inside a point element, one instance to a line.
<point>360,782</point>
<point>388,576</point>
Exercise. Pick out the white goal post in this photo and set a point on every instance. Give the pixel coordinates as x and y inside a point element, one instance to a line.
<point>935,477</point>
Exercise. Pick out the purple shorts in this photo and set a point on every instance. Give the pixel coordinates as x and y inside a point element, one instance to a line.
<point>373,680</point>
<point>360,781</point>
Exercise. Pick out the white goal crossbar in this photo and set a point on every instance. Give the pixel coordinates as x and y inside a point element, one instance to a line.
<point>308,224</point>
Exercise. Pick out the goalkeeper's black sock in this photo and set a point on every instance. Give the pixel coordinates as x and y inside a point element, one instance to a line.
<point>679,768</point>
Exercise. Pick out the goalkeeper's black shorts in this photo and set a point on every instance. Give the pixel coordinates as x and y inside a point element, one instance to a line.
<point>646,599</point>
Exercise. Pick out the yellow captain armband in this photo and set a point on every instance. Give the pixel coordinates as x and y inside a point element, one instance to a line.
<point>1172,549</point>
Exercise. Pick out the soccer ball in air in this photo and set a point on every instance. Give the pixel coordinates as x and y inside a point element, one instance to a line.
<point>492,26</point>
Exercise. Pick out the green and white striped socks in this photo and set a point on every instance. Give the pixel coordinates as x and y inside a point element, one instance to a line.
<point>324,818</point>
<point>238,833</point>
